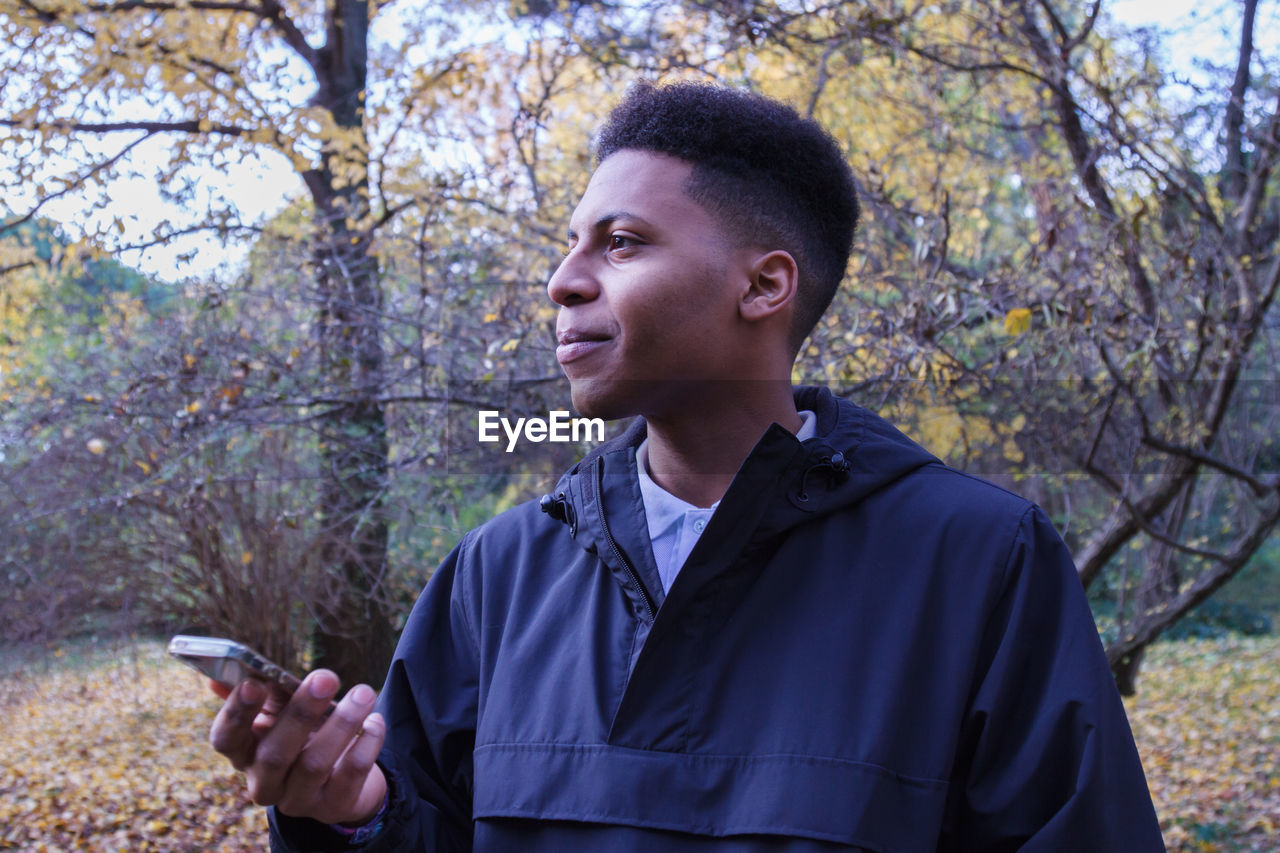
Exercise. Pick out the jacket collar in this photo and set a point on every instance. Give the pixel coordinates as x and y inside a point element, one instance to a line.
<point>781,483</point>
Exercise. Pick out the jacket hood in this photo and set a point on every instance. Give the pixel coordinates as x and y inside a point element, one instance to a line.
<point>783,482</point>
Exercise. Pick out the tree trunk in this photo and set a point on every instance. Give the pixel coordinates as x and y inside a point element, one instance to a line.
<point>353,633</point>
<point>1159,584</point>
<point>1126,669</point>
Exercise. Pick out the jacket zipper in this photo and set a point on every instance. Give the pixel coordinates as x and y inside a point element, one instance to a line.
<point>613,545</point>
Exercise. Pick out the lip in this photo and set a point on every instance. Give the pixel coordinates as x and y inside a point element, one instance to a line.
<point>573,344</point>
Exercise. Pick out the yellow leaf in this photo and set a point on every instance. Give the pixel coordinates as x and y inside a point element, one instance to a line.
<point>97,446</point>
<point>193,407</point>
<point>489,318</point>
<point>1017,321</point>
<point>246,558</point>
<point>146,469</point>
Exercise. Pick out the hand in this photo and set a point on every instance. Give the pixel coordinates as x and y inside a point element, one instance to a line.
<point>295,758</point>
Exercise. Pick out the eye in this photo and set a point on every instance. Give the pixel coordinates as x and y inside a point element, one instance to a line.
<point>622,242</point>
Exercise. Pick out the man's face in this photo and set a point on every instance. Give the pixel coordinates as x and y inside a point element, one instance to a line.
<point>648,292</point>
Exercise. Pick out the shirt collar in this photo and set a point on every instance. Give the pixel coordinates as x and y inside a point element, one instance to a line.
<point>664,510</point>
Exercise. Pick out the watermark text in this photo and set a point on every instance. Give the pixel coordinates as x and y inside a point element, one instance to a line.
<point>558,426</point>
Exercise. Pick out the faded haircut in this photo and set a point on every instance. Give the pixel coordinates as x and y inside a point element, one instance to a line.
<point>773,178</point>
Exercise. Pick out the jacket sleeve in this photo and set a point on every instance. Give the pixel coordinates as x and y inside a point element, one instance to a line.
<point>429,701</point>
<point>1046,760</point>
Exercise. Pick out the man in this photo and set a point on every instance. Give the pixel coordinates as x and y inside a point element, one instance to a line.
<point>762,620</point>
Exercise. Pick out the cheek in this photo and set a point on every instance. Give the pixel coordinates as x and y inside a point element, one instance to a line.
<point>682,310</point>
<point>709,310</point>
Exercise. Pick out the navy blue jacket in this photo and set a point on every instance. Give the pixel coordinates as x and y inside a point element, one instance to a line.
<point>865,650</point>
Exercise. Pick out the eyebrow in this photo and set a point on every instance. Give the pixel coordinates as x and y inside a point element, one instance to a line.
<point>608,219</point>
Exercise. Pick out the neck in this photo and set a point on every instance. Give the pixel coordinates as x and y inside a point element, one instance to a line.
<point>694,453</point>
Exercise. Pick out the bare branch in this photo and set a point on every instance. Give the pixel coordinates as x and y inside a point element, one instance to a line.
<point>1056,22</point>
<point>1084,153</point>
<point>1265,152</point>
<point>824,75</point>
<point>1233,179</point>
<point>972,67</point>
<point>1259,487</point>
<point>197,126</point>
<point>274,12</point>
<point>15,267</point>
<point>1156,620</point>
<point>1093,557</point>
<point>1091,19</point>
<point>1102,424</point>
<point>221,229</point>
<point>269,10</point>
<point>53,18</point>
<point>164,6</point>
<point>73,185</point>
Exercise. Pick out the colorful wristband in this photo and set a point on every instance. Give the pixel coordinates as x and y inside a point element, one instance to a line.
<point>356,835</point>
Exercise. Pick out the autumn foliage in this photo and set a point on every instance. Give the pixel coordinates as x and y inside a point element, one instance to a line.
<point>109,753</point>
<point>1066,281</point>
<point>1208,730</point>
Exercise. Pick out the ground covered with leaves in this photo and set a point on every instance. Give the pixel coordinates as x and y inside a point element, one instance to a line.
<point>1207,721</point>
<point>105,750</point>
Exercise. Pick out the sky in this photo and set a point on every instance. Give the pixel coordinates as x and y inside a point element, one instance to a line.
<point>260,188</point>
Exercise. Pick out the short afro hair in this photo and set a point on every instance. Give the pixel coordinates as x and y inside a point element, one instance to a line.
<point>771,176</point>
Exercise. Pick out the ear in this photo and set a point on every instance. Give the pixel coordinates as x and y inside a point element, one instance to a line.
<point>772,284</point>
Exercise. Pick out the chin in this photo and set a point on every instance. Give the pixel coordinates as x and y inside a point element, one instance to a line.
<point>614,399</point>
<point>605,400</point>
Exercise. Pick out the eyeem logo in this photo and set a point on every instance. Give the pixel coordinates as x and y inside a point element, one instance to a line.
<point>558,426</point>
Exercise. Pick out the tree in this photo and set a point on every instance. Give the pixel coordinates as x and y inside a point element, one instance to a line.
<point>224,78</point>
<point>56,505</point>
<point>1080,262</point>
<point>1064,280</point>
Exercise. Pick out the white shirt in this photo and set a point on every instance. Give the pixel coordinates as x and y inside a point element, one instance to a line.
<point>674,524</point>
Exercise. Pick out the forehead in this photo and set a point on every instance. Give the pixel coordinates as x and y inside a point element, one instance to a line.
<point>640,183</point>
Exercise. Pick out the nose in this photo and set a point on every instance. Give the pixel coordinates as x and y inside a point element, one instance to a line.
<point>573,282</point>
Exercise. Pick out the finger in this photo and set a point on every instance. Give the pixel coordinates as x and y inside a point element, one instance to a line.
<point>266,719</point>
<point>219,688</point>
<point>280,748</point>
<point>277,698</point>
<point>321,754</point>
<point>264,722</point>
<point>232,731</point>
<point>353,780</point>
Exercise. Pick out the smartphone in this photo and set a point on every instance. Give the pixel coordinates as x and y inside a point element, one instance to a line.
<point>228,662</point>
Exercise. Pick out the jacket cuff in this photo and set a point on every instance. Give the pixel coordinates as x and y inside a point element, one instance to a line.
<point>304,835</point>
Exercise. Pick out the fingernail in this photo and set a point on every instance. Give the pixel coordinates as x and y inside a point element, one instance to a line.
<point>323,684</point>
<point>373,723</point>
<point>363,695</point>
<point>252,692</point>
